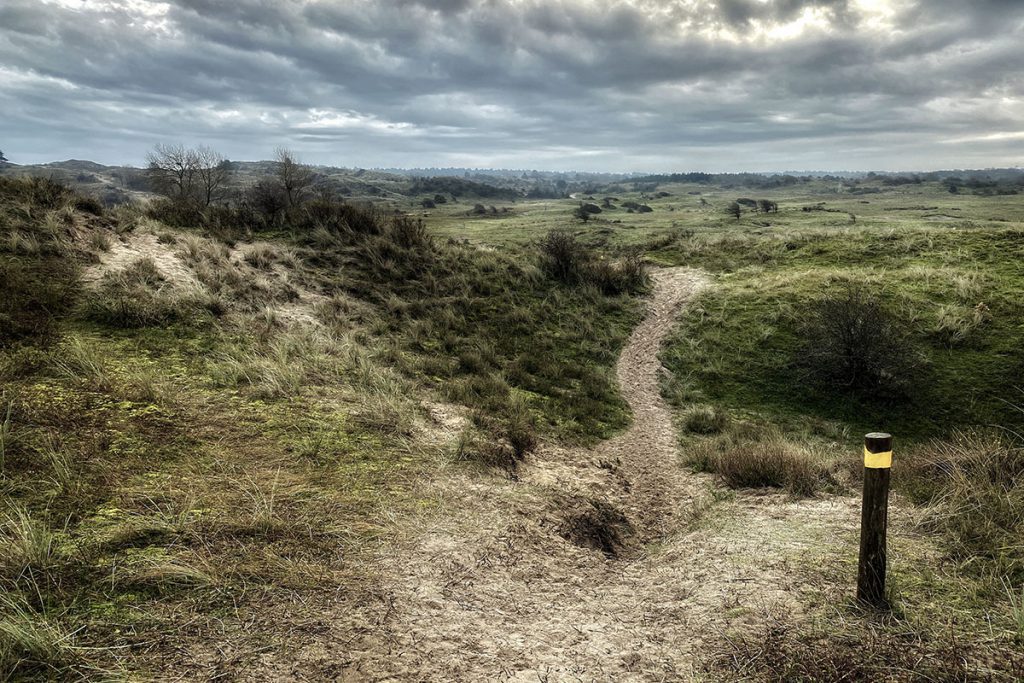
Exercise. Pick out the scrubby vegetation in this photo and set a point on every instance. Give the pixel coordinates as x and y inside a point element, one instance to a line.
<point>40,225</point>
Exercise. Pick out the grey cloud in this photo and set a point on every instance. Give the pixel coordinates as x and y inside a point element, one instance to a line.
<point>625,85</point>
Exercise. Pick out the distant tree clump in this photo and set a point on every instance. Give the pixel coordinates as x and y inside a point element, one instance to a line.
<point>636,207</point>
<point>734,210</point>
<point>3,159</point>
<point>585,210</point>
<point>428,204</point>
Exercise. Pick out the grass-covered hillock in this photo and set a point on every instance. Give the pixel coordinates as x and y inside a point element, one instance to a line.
<point>197,424</point>
<point>954,297</point>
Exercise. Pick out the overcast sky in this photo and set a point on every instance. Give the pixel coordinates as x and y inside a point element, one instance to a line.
<point>617,85</point>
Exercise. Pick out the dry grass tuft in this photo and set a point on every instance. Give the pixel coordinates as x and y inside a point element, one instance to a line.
<point>746,458</point>
<point>973,487</point>
<point>27,545</point>
<point>850,652</point>
<point>31,648</point>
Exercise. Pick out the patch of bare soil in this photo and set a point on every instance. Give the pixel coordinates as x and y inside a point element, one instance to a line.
<point>611,564</point>
<point>136,246</point>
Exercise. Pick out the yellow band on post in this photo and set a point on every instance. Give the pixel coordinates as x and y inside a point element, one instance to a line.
<point>877,461</point>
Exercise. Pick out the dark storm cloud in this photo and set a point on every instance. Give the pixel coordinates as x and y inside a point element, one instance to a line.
<point>559,83</point>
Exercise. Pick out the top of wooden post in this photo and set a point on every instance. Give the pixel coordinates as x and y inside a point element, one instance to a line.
<point>878,442</point>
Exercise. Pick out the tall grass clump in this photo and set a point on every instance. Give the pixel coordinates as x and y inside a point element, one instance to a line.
<point>27,546</point>
<point>973,488</point>
<point>746,457</point>
<point>32,648</point>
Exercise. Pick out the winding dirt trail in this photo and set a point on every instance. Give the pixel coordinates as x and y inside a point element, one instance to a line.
<point>497,587</point>
<point>647,482</point>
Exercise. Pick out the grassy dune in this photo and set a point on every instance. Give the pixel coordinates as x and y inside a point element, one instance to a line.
<point>194,428</point>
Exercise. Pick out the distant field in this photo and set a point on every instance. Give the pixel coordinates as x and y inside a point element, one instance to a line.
<point>928,205</point>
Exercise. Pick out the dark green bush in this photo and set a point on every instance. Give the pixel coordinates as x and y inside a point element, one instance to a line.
<point>562,256</point>
<point>851,341</point>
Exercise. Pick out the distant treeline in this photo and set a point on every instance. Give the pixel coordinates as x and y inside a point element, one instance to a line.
<point>460,187</point>
<point>759,180</point>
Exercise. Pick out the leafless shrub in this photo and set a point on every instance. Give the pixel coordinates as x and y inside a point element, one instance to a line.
<point>852,341</point>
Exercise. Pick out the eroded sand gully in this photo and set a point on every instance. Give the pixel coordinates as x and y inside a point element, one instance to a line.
<point>491,590</point>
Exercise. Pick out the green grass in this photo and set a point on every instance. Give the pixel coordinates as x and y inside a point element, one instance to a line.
<point>482,326</point>
<point>753,415</point>
<point>187,451</point>
<point>921,275</point>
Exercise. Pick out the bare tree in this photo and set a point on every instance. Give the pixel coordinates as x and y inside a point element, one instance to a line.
<point>172,171</point>
<point>199,175</point>
<point>212,174</point>
<point>295,176</point>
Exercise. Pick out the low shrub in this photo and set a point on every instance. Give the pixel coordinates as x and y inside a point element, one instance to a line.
<point>851,341</point>
<point>564,258</point>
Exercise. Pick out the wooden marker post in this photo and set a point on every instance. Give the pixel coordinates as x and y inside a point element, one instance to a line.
<point>873,519</point>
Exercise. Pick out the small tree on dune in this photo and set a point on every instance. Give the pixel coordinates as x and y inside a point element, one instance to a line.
<point>295,177</point>
<point>197,175</point>
<point>735,210</point>
<point>171,171</point>
<point>212,174</point>
<point>3,159</point>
